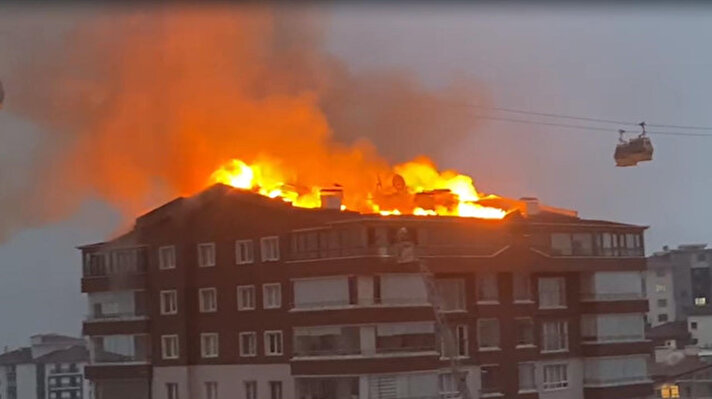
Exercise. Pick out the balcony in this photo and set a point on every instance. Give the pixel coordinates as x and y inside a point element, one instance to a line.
<point>604,382</point>
<point>120,349</point>
<point>125,316</point>
<point>611,297</point>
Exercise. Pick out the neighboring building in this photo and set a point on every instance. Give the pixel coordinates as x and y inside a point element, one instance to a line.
<point>677,281</point>
<point>228,294</point>
<point>673,335</point>
<point>51,368</point>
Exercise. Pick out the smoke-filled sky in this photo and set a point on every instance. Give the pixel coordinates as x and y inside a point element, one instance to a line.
<point>109,112</point>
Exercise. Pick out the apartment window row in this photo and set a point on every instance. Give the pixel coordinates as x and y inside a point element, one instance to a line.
<point>210,345</point>
<point>207,298</point>
<point>406,289</point>
<point>597,244</point>
<point>211,390</point>
<point>244,253</point>
<point>554,376</point>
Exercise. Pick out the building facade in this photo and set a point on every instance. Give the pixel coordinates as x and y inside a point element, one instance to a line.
<point>230,294</point>
<point>51,368</point>
<point>678,283</point>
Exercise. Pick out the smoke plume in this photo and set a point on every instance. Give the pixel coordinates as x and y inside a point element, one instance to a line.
<point>149,101</point>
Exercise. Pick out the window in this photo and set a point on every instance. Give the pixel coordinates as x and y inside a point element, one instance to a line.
<point>244,252</point>
<point>662,317</point>
<point>273,343</point>
<point>169,346</point>
<point>525,331</point>
<point>554,336</point>
<point>275,389</point>
<point>487,287</point>
<point>447,386</point>
<point>662,303</point>
<point>209,344</point>
<point>269,248</point>
<point>488,333</point>
<point>206,254</point>
<point>489,375</point>
<point>552,292</point>
<point>323,292</point>
<point>555,376</point>
<point>208,298</point>
<point>167,257</point>
<point>461,342</point>
<point>660,272</point>
<point>169,302</point>
<point>700,301</point>
<point>660,288</point>
<point>211,390</point>
<point>171,390</point>
<point>526,377</point>
<point>452,292</point>
<point>250,389</point>
<point>272,296</point>
<point>693,325</point>
<point>522,287</point>
<point>248,344</point>
<point>245,297</point>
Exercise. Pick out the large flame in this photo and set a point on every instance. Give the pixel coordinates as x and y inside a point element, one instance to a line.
<point>416,188</point>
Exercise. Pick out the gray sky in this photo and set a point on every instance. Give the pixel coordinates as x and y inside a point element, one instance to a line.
<point>620,63</point>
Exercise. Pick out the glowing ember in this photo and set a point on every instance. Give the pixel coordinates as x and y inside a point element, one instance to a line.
<point>417,188</point>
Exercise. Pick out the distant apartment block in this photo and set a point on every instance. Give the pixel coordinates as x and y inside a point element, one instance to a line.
<point>678,283</point>
<point>228,294</point>
<point>52,367</point>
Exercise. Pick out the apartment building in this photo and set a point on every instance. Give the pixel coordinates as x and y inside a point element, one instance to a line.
<point>678,283</point>
<point>52,367</point>
<point>229,294</point>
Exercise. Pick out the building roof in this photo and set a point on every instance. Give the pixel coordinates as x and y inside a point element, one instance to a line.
<point>685,366</point>
<point>75,354</point>
<point>671,330</point>
<point>22,355</point>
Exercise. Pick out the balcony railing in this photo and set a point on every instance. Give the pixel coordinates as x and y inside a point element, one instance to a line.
<point>614,338</point>
<point>610,297</point>
<point>391,251</point>
<point>615,381</point>
<point>327,352</point>
<point>136,315</point>
<point>109,357</point>
<point>363,302</point>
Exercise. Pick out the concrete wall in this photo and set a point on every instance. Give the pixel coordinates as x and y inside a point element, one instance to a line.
<point>703,332</point>
<point>652,281</point>
<point>26,381</point>
<point>230,378</point>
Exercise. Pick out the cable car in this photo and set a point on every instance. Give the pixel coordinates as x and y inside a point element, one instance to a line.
<point>630,152</point>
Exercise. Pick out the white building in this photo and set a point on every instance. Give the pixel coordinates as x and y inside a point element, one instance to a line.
<point>51,368</point>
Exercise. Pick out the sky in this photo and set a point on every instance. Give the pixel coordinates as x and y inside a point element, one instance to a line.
<point>622,63</point>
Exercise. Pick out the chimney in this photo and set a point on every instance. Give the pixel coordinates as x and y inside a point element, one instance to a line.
<point>331,198</point>
<point>531,205</point>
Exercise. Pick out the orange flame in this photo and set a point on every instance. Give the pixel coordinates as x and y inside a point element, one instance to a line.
<point>426,191</point>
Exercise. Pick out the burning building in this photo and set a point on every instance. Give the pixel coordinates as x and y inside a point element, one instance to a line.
<point>231,293</point>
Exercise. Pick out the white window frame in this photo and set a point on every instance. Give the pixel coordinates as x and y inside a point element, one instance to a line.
<point>565,332</point>
<point>208,389</point>
<point>201,261</point>
<point>204,347</point>
<point>265,304</point>
<point>461,334</point>
<point>479,335</point>
<point>172,390</point>
<point>530,389</point>
<point>268,350</point>
<point>170,348</point>
<point>173,309</point>
<point>243,351</point>
<point>555,385</point>
<point>263,253</point>
<point>272,391</point>
<point>562,287</point>
<point>202,305</point>
<point>479,286</point>
<point>529,294</point>
<point>239,252</point>
<point>241,306</point>
<point>247,386</point>
<point>533,330</point>
<point>161,259</point>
